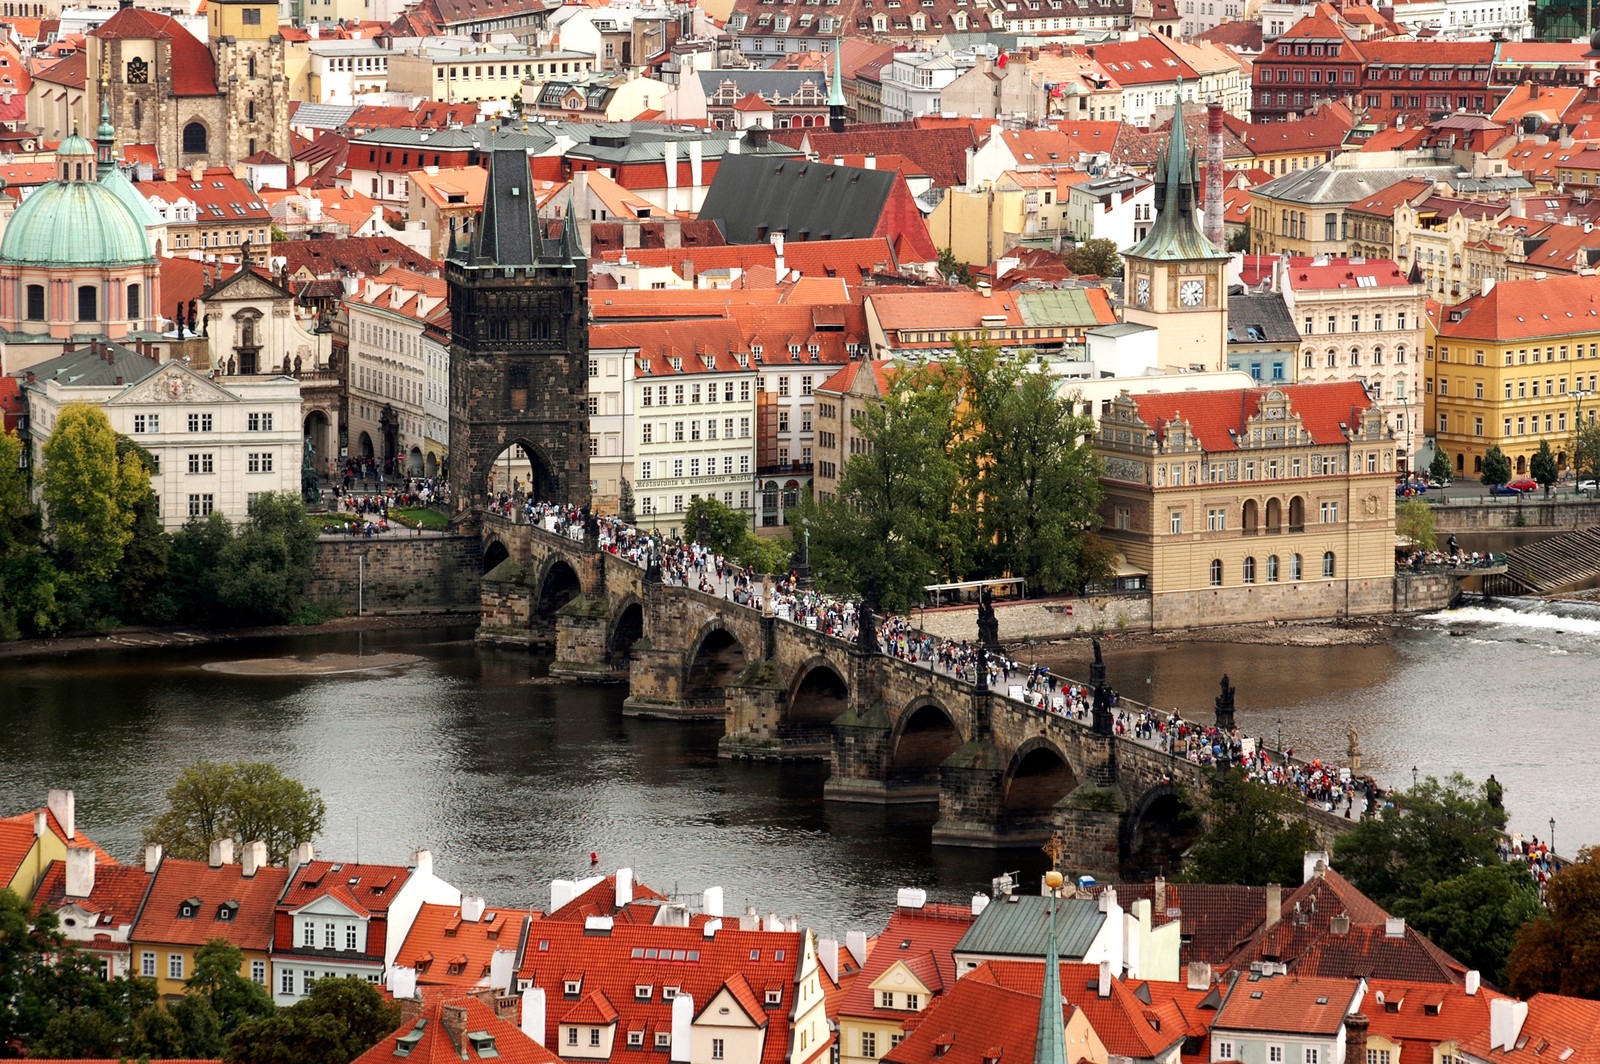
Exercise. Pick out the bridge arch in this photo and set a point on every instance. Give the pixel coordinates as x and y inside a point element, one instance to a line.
<point>1038,777</point>
<point>1157,831</point>
<point>716,660</point>
<point>558,584</point>
<point>523,468</point>
<point>924,736</point>
<point>626,629</point>
<point>494,552</point>
<point>817,694</point>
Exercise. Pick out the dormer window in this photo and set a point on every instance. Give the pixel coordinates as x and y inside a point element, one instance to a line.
<point>188,908</point>
<point>668,993</point>
<point>573,987</point>
<point>774,997</point>
<point>227,910</point>
<point>636,1039</point>
<point>642,992</point>
<point>663,1039</point>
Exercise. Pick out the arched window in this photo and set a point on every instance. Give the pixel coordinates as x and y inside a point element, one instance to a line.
<point>1249,570</point>
<point>1274,517</point>
<point>1250,515</point>
<point>251,65</point>
<point>194,139</point>
<point>138,113</point>
<point>88,303</point>
<point>1327,565</point>
<point>1216,572</point>
<point>1297,515</point>
<point>134,310</point>
<point>36,302</point>
<point>1294,568</point>
<point>1308,360</point>
<point>1272,568</point>
<point>1355,356</point>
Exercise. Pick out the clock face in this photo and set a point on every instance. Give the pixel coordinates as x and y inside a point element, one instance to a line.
<point>1142,290</point>
<point>1192,292</point>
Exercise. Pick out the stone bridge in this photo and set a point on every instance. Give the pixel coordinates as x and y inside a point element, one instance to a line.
<point>1002,773</point>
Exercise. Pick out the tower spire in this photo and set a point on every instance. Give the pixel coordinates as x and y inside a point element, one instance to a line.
<point>1175,235</point>
<point>105,137</point>
<point>836,104</point>
<point>1049,1040</point>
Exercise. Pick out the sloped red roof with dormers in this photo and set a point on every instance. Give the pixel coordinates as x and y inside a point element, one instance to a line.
<point>1126,1023</point>
<point>922,939</point>
<point>1526,309</point>
<point>1286,1004</point>
<point>221,902</point>
<point>1321,407</point>
<point>446,949</point>
<point>939,152</point>
<point>1561,1029</point>
<point>193,71</point>
<point>364,889</point>
<point>118,892</point>
<point>1420,1016</point>
<point>601,900</point>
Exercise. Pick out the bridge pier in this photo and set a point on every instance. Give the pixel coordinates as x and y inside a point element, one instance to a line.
<point>972,785</point>
<point>581,652</point>
<point>862,761</point>
<point>656,688</point>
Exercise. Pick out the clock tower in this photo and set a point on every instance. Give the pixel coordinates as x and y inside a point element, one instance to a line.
<point>1175,280</point>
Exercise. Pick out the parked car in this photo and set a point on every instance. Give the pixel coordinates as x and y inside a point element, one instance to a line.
<point>1503,489</point>
<point>1524,484</point>
<point>1588,485</point>
<point>1409,488</point>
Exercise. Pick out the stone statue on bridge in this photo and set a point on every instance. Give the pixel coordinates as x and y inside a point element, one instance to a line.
<point>1354,750</point>
<point>1225,706</point>
<point>866,623</point>
<point>988,623</point>
<point>1097,668</point>
<point>1101,712</point>
<point>591,529</point>
<point>981,667</point>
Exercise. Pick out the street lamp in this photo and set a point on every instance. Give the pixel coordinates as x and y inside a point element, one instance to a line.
<point>1413,777</point>
<point>1552,835</point>
<point>1280,738</point>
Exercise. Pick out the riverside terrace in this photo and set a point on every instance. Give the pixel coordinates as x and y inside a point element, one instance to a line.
<point>1003,772</point>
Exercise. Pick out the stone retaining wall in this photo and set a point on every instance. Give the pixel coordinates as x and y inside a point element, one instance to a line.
<point>1046,619</point>
<point>400,574</point>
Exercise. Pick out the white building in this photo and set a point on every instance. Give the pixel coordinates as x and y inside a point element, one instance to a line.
<point>216,445</point>
<point>347,72</point>
<point>913,80</point>
<point>610,398</point>
<point>388,372</point>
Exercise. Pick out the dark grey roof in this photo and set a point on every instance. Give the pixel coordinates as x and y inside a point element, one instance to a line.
<point>102,364</point>
<point>1260,318</point>
<point>1015,926</point>
<point>753,197</point>
<point>510,233</point>
<point>322,115</point>
<point>484,136</point>
<point>764,83</point>
<point>1327,184</point>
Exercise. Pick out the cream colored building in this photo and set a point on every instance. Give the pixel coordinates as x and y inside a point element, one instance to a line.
<point>1362,320</point>
<point>388,376</point>
<point>841,401</point>
<point>1268,504</point>
<point>979,224</point>
<point>461,73</point>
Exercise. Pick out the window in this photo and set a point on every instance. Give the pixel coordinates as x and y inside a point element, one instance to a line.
<point>1274,1055</point>
<point>251,16</point>
<point>260,462</point>
<point>259,422</point>
<point>1249,570</point>
<point>1216,572</point>
<point>286,981</point>
<point>1216,520</point>
<point>1330,513</point>
<point>913,1002</point>
<point>869,1044</point>
<point>1223,1051</point>
<point>350,936</point>
<point>146,423</point>
<point>174,966</point>
<point>572,1036</point>
<point>329,936</point>
<point>258,972</point>
<point>88,303</point>
<point>1378,1056</point>
<point>717,1049</point>
<point>1313,1054</point>
<point>594,1036</point>
<point>1327,572</point>
<point>308,935</point>
<point>194,139</point>
<point>147,964</point>
<point>199,422</point>
<point>201,505</point>
<point>645,432</point>
<point>36,302</point>
<point>201,463</point>
<point>1272,569</point>
<point>886,999</point>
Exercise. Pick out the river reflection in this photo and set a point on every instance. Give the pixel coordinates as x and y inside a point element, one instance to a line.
<point>513,783</point>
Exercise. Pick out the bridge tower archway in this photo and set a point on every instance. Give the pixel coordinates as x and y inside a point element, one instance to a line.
<point>924,737</point>
<point>1039,776</point>
<point>1157,832</point>
<point>818,694</point>
<point>715,662</point>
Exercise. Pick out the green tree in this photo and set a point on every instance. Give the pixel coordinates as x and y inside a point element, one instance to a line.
<point>19,517</point>
<point>1475,916</point>
<point>1095,257</point>
<point>884,533</point>
<point>219,981</point>
<point>90,493</point>
<point>1257,838</point>
<point>1440,468</point>
<point>263,573</point>
<point>1029,472</point>
<point>193,562</point>
<point>1440,831</point>
<point>144,563</point>
<point>763,554</point>
<point>714,525</point>
<point>27,943</point>
<point>1542,467</point>
<point>1496,467</point>
<point>244,801</point>
<point>1560,952</point>
<point>1414,520</point>
<point>953,268</point>
<point>338,1021</point>
<point>1586,450</point>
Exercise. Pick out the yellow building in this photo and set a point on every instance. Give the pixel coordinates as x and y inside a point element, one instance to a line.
<point>192,903</point>
<point>1245,505</point>
<point>1502,369</point>
<point>30,841</point>
<point>898,983</point>
<point>978,225</point>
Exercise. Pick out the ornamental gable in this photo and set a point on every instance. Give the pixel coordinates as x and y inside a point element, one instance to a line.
<point>173,383</point>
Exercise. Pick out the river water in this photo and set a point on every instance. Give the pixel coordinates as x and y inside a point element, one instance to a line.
<point>512,783</point>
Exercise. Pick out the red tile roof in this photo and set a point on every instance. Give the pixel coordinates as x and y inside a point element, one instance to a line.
<point>447,950</point>
<point>371,255</point>
<point>883,369</point>
<point>219,197</point>
<point>601,900</point>
<point>847,259</point>
<point>1321,407</point>
<point>1148,60</point>
<point>1330,273</point>
<point>1385,201</point>
<point>117,894</point>
<point>1127,1025</point>
<point>442,1039</point>
<point>922,939</point>
<point>365,889</point>
<point>1324,129</point>
<point>16,840</point>
<point>1561,1029</point>
<point>208,891</point>
<point>1555,306</point>
<point>193,72</point>
<point>1288,1004</point>
<point>941,153</point>
<point>1419,1016</point>
<point>976,1022</point>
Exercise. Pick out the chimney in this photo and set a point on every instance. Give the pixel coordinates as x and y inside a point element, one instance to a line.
<point>221,853</point>
<point>1339,925</point>
<point>1199,976</point>
<point>1473,980</point>
<point>624,886</point>
<point>533,1013</point>
<point>1488,286</point>
<point>403,984</point>
<point>41,823</point>
<point>1160,893</point>
<point>828,956</point>
<point>169,175</point>
<point>980,902</point>
<point>696,169</point>
<point>1274,904</point>
<point>80,871</point>
<point>152,859</point>
<point>422,862</point>
<point>472,906</point>
<point>669,160</point>
<point>197,171</point>
<point>1103,984</point>
<point>502,970</point>
<point>1315,863</point>
<point>1214,166</point>
<point>711,901</point>
<point>750,920</point>
<point>453,1018</point>
<point>63,805</point>
<point>1108,899</point>
<point>1355,1037</point>
<point>686,271</point>
<point>630,233</point>
<point>682,1027</point>
<point>562,891</point>
<point>856,943</point>
<point>1394,927</point>
<point>910,898</point>
<point>870,162</point>
<point>672,233</point>
<point>254,858</point>
<point>1506,1017</point>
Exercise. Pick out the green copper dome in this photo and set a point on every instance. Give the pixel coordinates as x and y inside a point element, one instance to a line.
<point>123,189</point>
<point>75,223</point>
<point>74,145</point>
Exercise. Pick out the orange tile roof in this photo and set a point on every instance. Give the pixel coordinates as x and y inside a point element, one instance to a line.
<point>976,1022</point>
<point>1335,272</point>
<point>208,891</point>
<point>1561,1029</point>
<point>1516,310</point>
<point>445,183</point>
<point>1321,407</point>
<point>118,892</point>
<point>219,197</point>
<point>601,900</point>
<point>1386,201</point>
<point>438,1045</point>
<point>1286,1003</point>
<point>16,840</point>
<point>447,950</point>
<point>365,889</point>
<point>1419,1016</point>
<point>1126,1024</point>
<point>923,939</point>
<point>883,370</point>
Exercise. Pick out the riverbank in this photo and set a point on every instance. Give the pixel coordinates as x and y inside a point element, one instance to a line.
<point>1267,633</point>
<point>139,638</point>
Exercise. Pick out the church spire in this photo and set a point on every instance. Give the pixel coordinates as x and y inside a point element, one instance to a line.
<point>105,137</point>
<point>1050,1038</point>
<point>1175,235</point>
<point>836,104</point>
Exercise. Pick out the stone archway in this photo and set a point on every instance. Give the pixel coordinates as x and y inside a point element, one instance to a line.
<point>818,695</point>
<point>523,470</point>
<point>716,661</point>
<point>1157,832</point>
<point>494,554</point>
<point>1038,778</point>
<point>924,737</point>
<point>626,630</point>
<point>558,585</point>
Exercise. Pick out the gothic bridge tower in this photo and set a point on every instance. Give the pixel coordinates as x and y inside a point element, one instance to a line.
<point>519,349</point>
